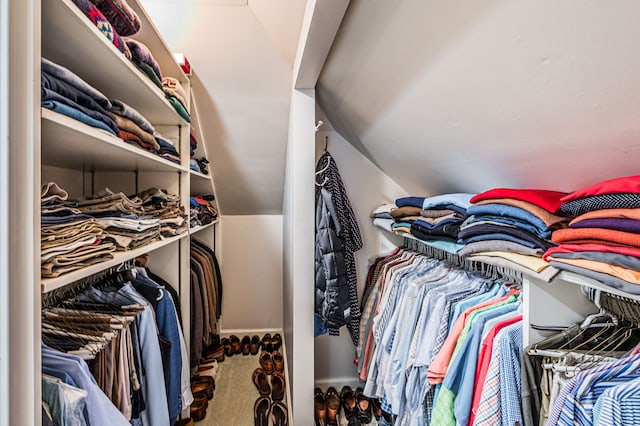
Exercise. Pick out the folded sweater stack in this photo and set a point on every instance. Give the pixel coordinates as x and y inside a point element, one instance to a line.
<point>603,240</point>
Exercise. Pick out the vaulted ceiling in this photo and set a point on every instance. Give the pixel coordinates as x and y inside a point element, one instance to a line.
<point>442,96</point>
<point>464,96</point>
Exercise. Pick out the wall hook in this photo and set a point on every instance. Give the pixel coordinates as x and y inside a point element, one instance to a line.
<point>320,123</point>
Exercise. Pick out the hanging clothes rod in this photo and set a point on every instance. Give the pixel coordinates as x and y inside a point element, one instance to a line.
<point>484,269</point>
<point>54,297</point>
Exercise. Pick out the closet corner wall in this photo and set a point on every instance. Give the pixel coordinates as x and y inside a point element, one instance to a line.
<point>21,384</point>
<point>39,145</point>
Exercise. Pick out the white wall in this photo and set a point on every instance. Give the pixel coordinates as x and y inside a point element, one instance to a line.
<point>251,267</point>
<point>367,187</point>
<point>298,255</point>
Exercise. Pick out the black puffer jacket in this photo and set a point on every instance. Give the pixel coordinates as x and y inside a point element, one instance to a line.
<point>332,289</point>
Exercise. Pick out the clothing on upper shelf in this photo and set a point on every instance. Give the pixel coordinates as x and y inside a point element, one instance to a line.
<point>79,232</point>
<point>172,87</point>
<point>423,319</point>
<point>102,23</point>
<point>120,15</point>
<point>141,53</point>
<point>66,93</point>
<point>504,227</point>
<point>337,239</point>
<point>603,241</point>
<point>524,218</point>
<point>203,210</point>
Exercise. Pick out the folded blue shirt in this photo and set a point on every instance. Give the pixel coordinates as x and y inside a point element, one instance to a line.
<point>520,224</point>
<point>504,210</point>
<point>76,114</point>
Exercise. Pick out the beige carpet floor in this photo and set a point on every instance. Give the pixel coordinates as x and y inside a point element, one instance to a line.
<point>235,394</point>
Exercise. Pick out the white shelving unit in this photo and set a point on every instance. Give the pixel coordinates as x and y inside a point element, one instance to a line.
<point>84,159</point>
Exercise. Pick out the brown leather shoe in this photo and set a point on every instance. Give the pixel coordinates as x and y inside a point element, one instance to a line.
<point>198,411</point>
<point>278,361</point>
<point>254,346</point>
<point>261,410</point>
<point>244,345</point>
<point>226,344</point>
<point>235,344</point>
<point>217,354</point>
<point>185,422</point>
<point>333,406</point>
<point>200,398</point>
<point>277,386</point>
<point>266,362</point>
<point>261,380</point>
<point>279,414</point>
<point>319,407</point>
<point>276,342</point>
<point>204,379</point>
<point>204,388</point>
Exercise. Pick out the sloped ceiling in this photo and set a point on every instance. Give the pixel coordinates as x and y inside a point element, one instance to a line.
<point>243,60</point>
<point>465,96</point>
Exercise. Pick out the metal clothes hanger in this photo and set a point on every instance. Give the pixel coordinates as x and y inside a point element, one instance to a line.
<point>329,159</point>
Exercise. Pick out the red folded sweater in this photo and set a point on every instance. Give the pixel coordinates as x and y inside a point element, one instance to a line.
<point>548,200</point>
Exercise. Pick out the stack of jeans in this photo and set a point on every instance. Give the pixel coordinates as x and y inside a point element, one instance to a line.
<point>165,207</point>
<point>70,239</point>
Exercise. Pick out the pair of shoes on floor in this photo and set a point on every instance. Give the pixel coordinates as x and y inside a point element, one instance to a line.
<point>271,343</point>
<point>250,345</point>
<point>212,353</point>
<point>232,345</point>
<point>276,388</point>
<point>263,407</point>
<point>271,362</point>
<point>355,405</point>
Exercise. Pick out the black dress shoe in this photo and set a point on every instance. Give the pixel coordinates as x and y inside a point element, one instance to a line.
<point>349,403</point>
<point>276,342</point>
<point>279,414</point>
<point>364,407</point>
<point>266,342</point>
<point>261,410</point>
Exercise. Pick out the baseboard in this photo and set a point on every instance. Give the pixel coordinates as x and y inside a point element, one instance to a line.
<point>250,331</point>
<point>339,382</point>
